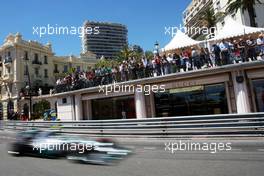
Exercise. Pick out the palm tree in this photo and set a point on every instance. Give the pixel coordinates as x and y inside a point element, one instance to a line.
<point>208,19</point>
<point>235,5</point>
<point>125,53</point>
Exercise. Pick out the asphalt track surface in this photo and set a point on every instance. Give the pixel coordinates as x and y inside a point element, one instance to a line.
<point>151,157</point>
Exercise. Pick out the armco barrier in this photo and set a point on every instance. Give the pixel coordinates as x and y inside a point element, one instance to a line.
<point>185,126</point>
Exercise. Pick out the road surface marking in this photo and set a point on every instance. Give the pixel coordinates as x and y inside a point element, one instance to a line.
<point>149,148</point>
<point>236,149</point>
<point>11,152</point>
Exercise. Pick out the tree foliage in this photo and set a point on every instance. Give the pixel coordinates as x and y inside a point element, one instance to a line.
<point>244,5</point>
<point>39,108</point>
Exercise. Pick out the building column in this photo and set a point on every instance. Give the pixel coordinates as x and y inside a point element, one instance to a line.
<point>87,110</point>
<point>78,107</point>
<point>152,104</point>
<point>140,105</point>
<point>241,92</point>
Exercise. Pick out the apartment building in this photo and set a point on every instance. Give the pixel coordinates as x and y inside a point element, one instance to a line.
<point>109,40</point>
<point>29,68</point>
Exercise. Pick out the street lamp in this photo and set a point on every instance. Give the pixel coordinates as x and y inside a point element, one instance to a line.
<point>28,88</point>
<point>156,47</point>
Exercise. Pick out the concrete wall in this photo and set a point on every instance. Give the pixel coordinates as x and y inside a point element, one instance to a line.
<point>65,110</point>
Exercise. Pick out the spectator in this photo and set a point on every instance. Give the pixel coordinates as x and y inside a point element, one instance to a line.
<point>170,63</point>
<point>165,65</point>
<point>251,44</point>
<point>196,59</point>
<point>158,65</point>
<point>217,51</point>
<point>242,46</point>
<point>260,46</point>
<point>224,47</point>
<point>186,61</point>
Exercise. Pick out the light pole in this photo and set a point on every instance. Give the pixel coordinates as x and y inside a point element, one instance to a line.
<point>157,47</point>
<point>28,88</point>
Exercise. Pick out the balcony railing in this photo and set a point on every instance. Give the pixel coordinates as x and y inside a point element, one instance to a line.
<point>36,62</point>
<point>7,60</point>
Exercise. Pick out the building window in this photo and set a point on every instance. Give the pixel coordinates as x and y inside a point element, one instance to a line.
<point>65,69</point>
<point>114,108</point>
<point>64,100</point>
<point>188,101</point>
<point>258,88</point>
<point>45,60</point>
<point>25,70</point>
<point>26,55</point>
<point>36,71</point>
<point>46,73</point>
<point>36,57</point>
<point>56,68</point>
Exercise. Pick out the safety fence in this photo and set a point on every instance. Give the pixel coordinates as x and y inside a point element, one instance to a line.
<point>183,126</point>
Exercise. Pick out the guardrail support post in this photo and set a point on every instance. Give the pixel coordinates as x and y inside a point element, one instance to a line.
<point>78,107</point>
<point>140,105</point>
<point>241,92</point>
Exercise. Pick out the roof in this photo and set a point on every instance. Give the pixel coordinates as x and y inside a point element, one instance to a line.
<point>234,29</point>
<point>180,40</point>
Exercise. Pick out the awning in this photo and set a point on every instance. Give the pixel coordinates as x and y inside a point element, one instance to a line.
<point>234,29</point>
<point>180,40</point>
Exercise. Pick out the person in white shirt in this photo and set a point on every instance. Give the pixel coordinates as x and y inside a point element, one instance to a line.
<point>170,60</point>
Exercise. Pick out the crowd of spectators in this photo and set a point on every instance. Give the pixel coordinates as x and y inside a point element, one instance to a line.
<point>226,52</point>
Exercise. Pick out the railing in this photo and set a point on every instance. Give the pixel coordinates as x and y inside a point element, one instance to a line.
<point>8,60</point>
<point>36,62</point>
<point>187,126</point>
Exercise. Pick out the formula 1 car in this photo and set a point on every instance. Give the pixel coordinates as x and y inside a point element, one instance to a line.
<point>53,144</point>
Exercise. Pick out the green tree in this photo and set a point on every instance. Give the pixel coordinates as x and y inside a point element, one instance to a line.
<point>39,108</point>
<point>106,63</point>
<point>244,5</point>
<point>208,19</point>
<point>149,54</point>
<point>125,53</point>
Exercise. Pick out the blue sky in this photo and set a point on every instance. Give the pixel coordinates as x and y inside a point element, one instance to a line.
<point>145,19</point>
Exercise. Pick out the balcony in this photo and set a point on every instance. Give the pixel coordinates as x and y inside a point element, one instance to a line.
<point>36,62</point>
<point>8,61</point>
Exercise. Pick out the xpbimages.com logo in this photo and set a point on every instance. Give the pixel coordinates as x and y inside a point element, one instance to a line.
<point>122,88</point>
<point>64,30</point>
<point>212,147</point>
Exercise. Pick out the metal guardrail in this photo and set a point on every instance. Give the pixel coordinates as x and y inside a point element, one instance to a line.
<point>184,126</point>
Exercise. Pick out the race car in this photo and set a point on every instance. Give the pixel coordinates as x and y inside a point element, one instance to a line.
<point>53,144</point>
